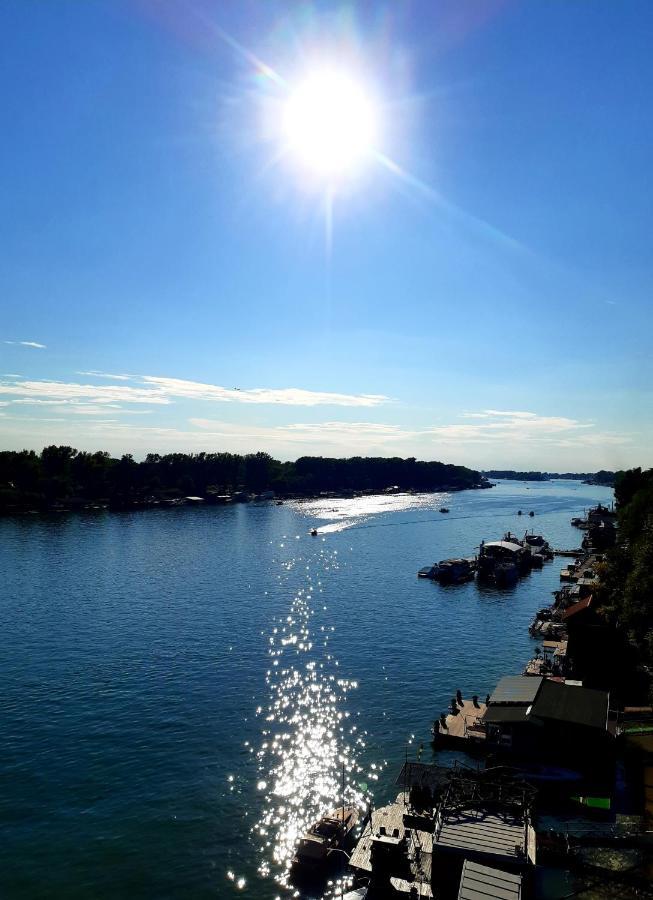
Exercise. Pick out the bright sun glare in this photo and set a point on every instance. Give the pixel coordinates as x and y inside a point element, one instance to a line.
<point>330,123</point>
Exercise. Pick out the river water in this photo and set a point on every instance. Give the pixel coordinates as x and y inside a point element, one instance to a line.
<point>181,688</point>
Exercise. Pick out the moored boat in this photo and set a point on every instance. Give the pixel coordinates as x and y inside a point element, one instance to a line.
<point>325,836</point>
<point>505,573</point>
<point>456,571</point>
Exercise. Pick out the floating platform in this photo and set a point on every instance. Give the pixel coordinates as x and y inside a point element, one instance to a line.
<point>462,728</point>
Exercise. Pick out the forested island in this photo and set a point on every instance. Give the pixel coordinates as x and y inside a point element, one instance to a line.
<point>62,477</point>
<point>602,477</point>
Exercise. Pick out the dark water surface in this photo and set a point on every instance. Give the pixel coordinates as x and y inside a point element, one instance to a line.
<point>180,688</point>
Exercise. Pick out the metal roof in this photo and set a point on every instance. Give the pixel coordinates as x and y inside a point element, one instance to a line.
<point>505,545</point>
<point>516,689</point>
<point>577,607</point>
<point>483,883</point>
<point>571,704</point>
<point>500,714</point>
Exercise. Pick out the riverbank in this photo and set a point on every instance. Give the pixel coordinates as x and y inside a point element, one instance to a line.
<point>553,744</point>
<point>64,478</point>
<point>173,500</point>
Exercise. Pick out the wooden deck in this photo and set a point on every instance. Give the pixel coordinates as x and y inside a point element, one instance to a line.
<point>481,832</point>
<point>464,725</point>
<point>387,824</point>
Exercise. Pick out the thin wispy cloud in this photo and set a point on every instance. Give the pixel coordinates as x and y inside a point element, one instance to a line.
<point>162,391</point>
<point>354,434</point>
<point>518,427</point>
<point>176,387</point>
<point>76,407</point>
<point>34,344</point>
<point>97,393</point>
<point>110,375</point>
<point>94,412</point>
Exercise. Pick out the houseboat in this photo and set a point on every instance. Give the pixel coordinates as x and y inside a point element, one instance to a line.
<point>502,562</point>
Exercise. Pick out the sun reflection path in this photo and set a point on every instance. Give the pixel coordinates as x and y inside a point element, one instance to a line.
<point>308,734</point>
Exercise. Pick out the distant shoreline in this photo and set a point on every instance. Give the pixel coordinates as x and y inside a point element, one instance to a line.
<point>236,499</point>
<point>60,478</point>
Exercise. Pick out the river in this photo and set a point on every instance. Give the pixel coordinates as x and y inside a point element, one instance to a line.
<point>181,687</point>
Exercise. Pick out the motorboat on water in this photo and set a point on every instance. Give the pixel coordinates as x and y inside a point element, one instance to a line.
<point>326,836</point>
<point>313,532</point>
<point>444,509</point>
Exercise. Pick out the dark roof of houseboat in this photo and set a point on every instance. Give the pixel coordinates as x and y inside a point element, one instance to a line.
<point>483,883</point>
<point>516,689</point>
<point>572,704</point>
<point>505,714</point>
<point>577,607</point>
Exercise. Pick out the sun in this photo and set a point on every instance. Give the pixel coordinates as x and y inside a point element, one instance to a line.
<point>330,123</point>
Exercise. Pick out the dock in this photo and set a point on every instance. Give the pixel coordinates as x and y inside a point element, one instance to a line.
<point>464,725</point>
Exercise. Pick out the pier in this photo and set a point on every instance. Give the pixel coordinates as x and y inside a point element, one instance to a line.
<point>463,726</point>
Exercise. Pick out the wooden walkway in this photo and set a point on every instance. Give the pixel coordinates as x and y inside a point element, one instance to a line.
<point>463,725</point>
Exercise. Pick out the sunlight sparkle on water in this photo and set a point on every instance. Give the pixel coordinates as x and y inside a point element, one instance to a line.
<point>306,735</point>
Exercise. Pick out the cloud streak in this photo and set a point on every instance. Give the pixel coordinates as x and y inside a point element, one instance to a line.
<point>111,375</point>
<point>97,393</point>
<point>162,391</point>
<point>34,344</point>
<point>511,427</point>
<point>176,387</point>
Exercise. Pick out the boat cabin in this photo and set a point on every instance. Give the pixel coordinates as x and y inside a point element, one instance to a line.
<point>535,715</point>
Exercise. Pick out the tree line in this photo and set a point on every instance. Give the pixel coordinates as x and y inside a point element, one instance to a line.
<point>61,475</point>
<point>602,477</point>
<point>626,593</point>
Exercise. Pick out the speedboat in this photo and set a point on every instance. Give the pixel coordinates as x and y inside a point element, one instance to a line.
<point>443,509</point>
<point>313,532</point>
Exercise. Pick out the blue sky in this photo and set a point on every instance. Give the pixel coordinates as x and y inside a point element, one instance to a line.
<point>485,298</point>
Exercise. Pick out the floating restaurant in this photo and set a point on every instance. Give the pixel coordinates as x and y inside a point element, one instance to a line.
<point>531,716</point>
<point>447,830</point>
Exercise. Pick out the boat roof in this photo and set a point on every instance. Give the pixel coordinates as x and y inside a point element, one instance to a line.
<point>516,689</point>
<point>571,704</point>
<point>483,883</point>
<point>586,603</point>
<point>505,545</point>
<point>499,714</point>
